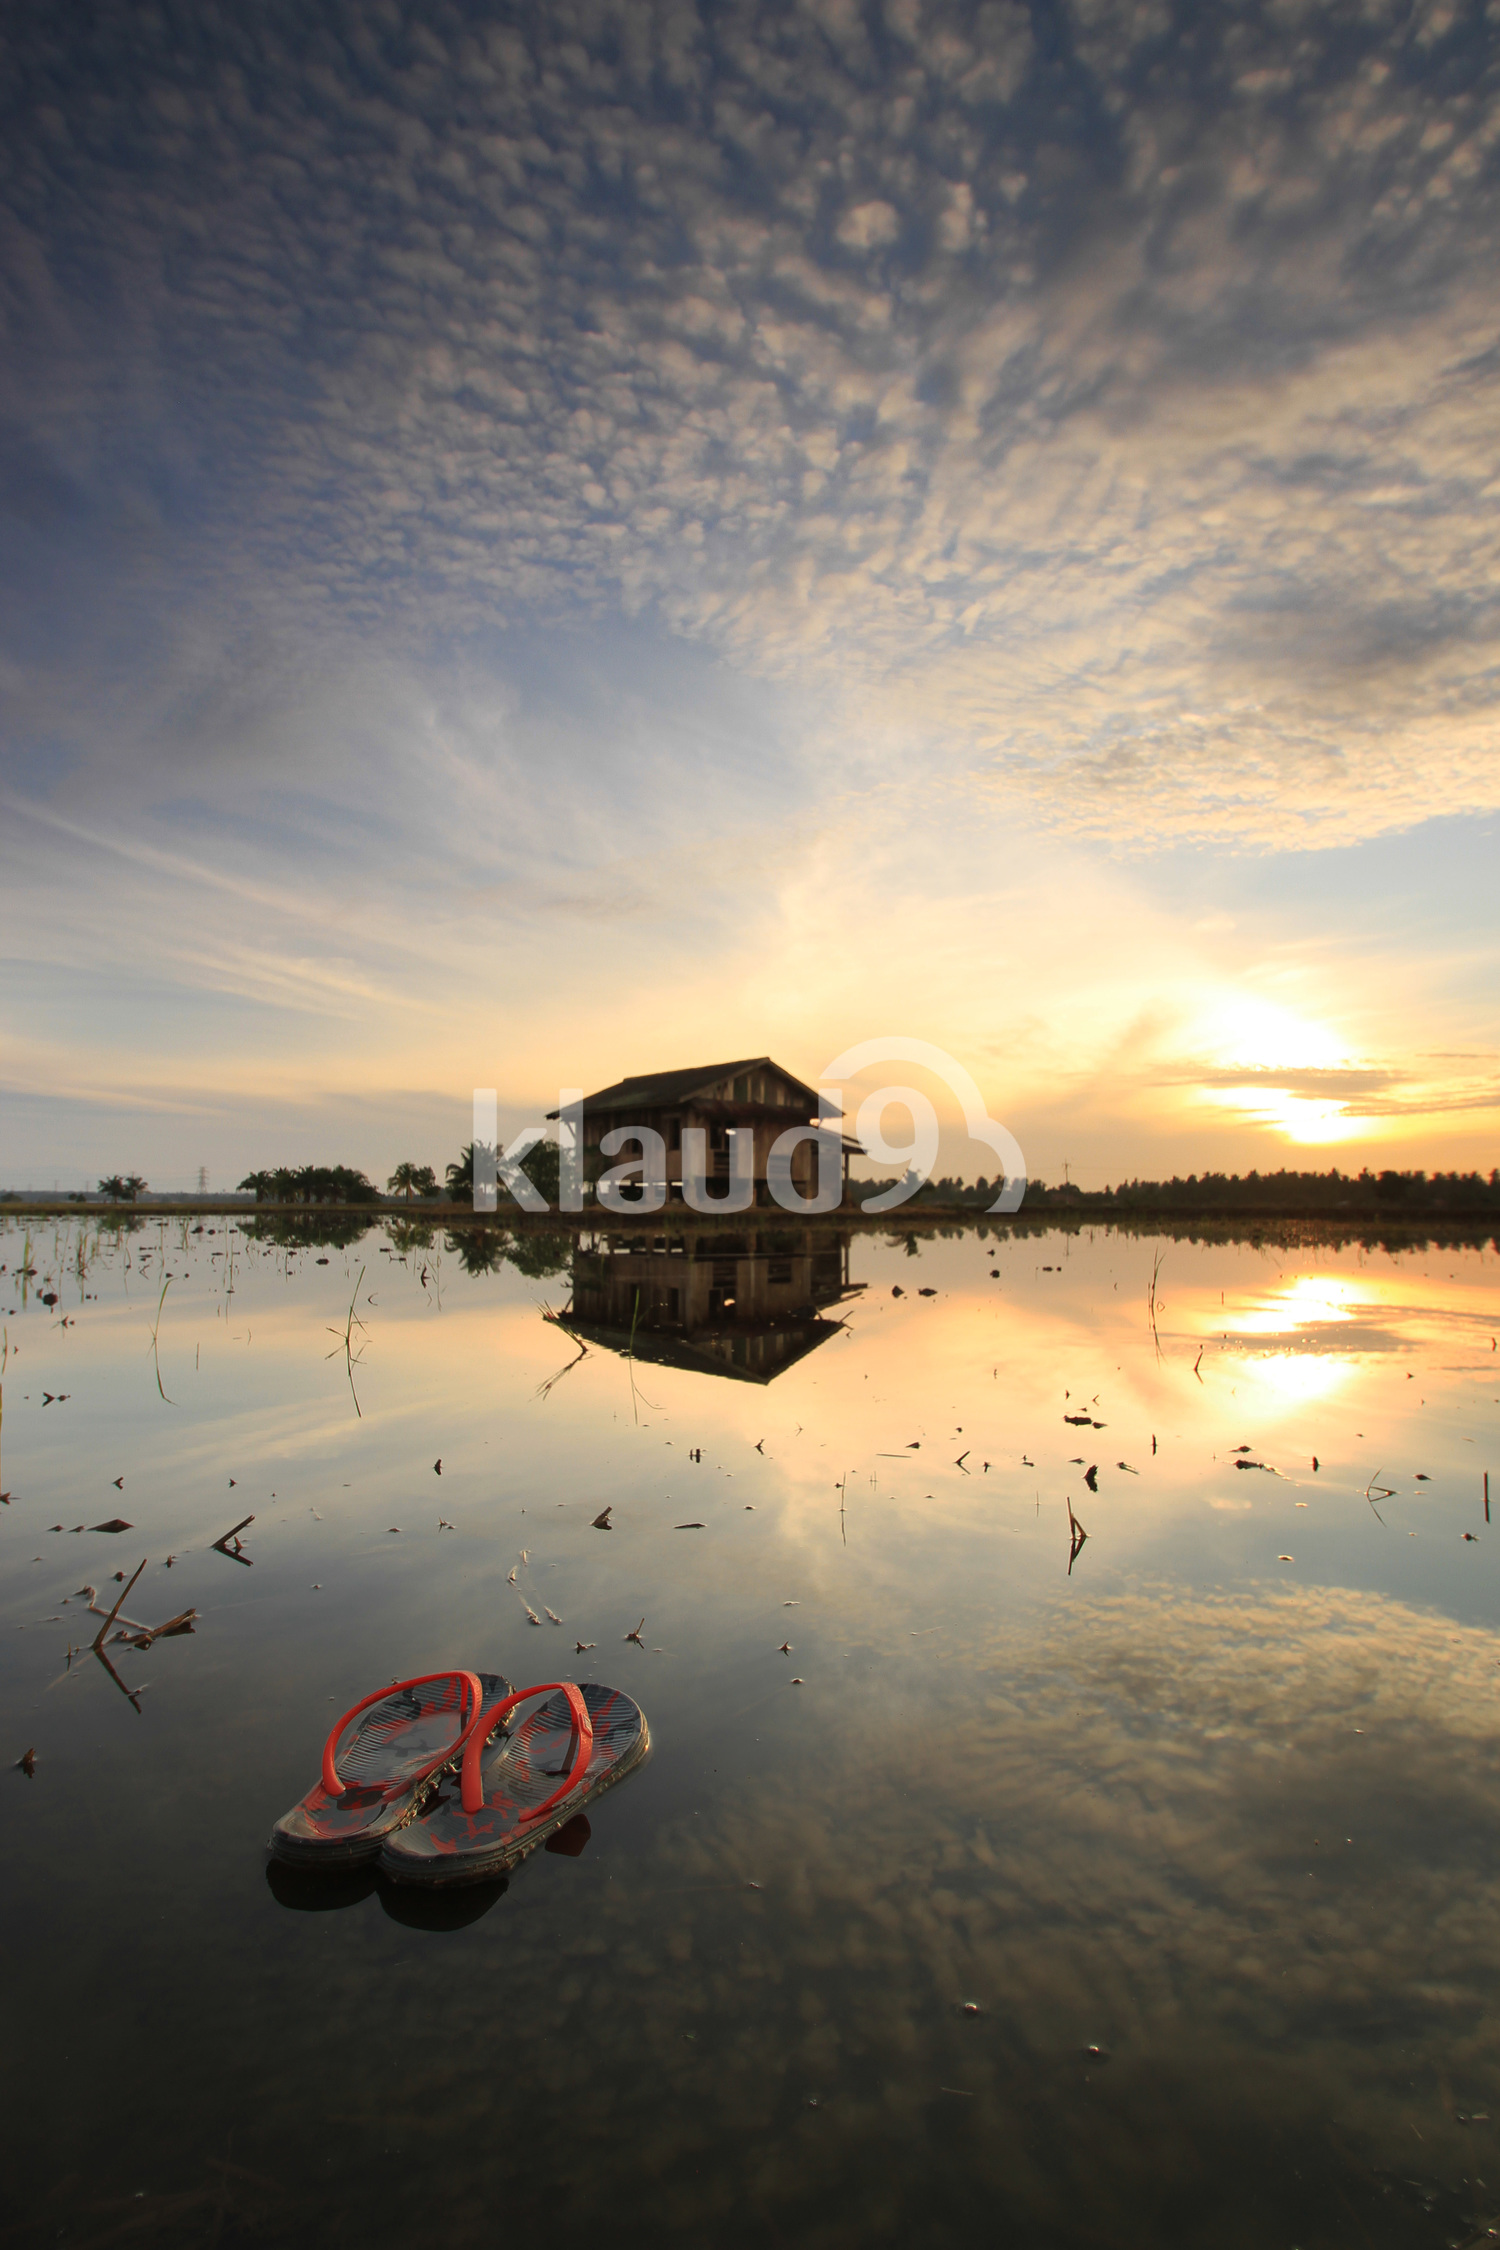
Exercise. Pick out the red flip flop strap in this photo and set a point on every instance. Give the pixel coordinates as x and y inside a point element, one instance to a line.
<point>583,1730</point>
<point>331,1781</point>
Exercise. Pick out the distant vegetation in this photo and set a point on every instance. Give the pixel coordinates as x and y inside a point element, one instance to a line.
<point>311,1183</point>
<point>542,1166</point>
<point>341,1184</point>
<point>412,1179</point>
<point>1386,1197</point>
<point>1282,1195</point>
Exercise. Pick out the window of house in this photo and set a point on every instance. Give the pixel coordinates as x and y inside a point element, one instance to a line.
<point>742,1089</point>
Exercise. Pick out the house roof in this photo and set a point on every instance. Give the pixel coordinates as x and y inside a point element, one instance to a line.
<point>665,1089</point>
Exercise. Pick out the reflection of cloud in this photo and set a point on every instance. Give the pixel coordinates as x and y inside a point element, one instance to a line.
<point>1127,1826</point>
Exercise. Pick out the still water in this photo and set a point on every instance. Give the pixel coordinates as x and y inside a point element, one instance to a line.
<point>1130,1888</point>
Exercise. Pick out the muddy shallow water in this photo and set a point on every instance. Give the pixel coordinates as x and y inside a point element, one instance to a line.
<point>1137,1889</point>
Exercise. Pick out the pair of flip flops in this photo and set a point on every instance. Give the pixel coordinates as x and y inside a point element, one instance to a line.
<point>430,1777</point>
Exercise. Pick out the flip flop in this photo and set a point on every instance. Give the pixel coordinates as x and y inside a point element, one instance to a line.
<point>516,1790</point>
<point>378,1764</point>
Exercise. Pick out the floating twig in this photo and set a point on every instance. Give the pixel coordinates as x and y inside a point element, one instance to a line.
<point>119,1598</point>
<point>1078,1537</point>
<point>224,1548</point>
<point>155,1326</point>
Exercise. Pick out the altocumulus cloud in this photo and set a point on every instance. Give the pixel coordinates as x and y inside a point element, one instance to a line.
<point>1098,399</point>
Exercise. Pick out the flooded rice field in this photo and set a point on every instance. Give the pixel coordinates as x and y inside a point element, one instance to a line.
<point>1074,1803</point>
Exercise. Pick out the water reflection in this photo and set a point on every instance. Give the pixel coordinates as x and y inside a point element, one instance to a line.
<point>747,1305</point>
<point>1147,1905</point>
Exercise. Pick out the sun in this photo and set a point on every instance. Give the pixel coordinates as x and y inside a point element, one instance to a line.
<point>1253,1035</point>
<point>1257,1053</point>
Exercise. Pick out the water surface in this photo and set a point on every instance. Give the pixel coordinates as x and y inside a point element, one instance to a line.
<point>1131,1890</point>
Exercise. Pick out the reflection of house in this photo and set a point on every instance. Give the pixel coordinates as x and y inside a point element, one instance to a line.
<point>745,1305</point>
<point>757,1096</point>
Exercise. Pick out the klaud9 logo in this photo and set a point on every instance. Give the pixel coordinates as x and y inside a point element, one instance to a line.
<point>718,1170</point>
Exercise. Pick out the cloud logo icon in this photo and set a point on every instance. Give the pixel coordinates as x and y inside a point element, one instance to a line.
<point>920,1153</point>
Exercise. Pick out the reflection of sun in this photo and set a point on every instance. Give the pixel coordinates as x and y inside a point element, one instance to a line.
<point>1312,1300</point>
<point>1295,1378</point>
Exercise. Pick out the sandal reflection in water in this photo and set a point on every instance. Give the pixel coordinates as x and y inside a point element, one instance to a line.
<point>305,1892</point>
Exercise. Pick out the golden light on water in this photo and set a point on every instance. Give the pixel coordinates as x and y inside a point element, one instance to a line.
<point>1293,1378</point>
<point>1310,1300</point>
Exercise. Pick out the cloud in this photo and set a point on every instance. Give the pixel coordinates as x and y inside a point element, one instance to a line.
<point>1121,411</point>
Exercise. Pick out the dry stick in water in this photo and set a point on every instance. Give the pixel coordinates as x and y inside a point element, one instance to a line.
<point>222,1543</point>
<point>145,1635</point>
<point>124,1590</point>
<point>156,1325</point>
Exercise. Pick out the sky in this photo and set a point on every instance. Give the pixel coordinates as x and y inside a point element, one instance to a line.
<point>543,543</point>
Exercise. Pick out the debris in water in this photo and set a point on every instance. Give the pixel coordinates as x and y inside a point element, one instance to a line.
<point>581,1648</point>
<point>601,1521</point>
<point>229,1543</point>
<point>552,1613</point>
<point>687,1527</point>
<point>1091,1477</point>
<point>437,1466</point>
<point>27,1765</point>
<point>636,1635</point>
<point>116,1523</point>
<point>1078,1538</point>
<point>785,1649</point>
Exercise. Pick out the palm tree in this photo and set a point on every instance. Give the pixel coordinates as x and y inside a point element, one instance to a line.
<point>461,1174</point>
<point>412,1179</point>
